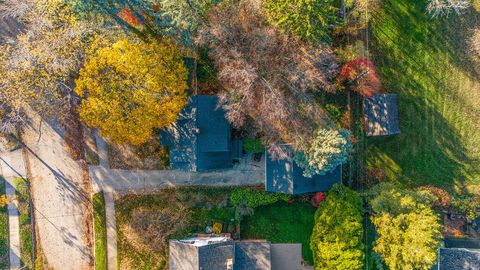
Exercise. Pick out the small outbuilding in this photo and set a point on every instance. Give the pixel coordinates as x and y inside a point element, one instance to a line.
<point>285,176</point>
<point>201,139</point>
<point>381,115</point>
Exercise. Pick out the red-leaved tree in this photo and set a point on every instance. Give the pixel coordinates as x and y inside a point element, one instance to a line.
<point>361,76</point>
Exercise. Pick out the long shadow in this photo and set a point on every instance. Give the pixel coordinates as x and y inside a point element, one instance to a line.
<point>409,49</point>
<point>76,193</point>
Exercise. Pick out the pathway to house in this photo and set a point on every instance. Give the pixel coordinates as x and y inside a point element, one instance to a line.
<point>60,197</point>
<point>115,183</point>
<point>11,168</point>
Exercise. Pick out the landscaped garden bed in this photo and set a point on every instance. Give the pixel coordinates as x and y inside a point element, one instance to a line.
<point>149,156</point>
<point>4,264</point>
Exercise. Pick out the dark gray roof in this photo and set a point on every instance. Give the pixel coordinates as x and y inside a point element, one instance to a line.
<point>185,256</point>
<point>200,140</point>
<point>381,115</point>
<point>285,176</point>
<point>252,255</point>
<point>459,259</point>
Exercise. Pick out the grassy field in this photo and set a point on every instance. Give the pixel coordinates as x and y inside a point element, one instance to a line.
<point>100,230</point>
<point>4,264</point>
<point>26,246</point>
<point>426,62</point>
<point>282,223</point>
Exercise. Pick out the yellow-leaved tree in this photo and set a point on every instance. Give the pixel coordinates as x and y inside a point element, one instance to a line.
<point>132,87</point>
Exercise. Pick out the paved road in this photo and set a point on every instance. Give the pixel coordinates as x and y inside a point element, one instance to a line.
<point>60,199</point>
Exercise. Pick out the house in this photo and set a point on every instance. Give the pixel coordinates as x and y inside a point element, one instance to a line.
<point>222,253</point>
<point>201,138</point>
<point>285,176</point>
<point>381,115</point>
<point>458,259</point>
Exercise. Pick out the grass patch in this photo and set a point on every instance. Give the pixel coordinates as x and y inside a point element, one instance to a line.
<point>146,223</point>
<point>426,62</point>
<point>4,260</point>
<point>100,231</point>
<point>26,244</point>
<point>282,223</point>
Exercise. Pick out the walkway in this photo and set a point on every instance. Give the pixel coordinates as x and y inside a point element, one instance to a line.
<point>12,167</point>
<point>60,198</point>
<point>115,183</point>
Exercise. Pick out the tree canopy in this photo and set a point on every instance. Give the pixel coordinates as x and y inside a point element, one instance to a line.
<point>409,231</point>
<point>309,20</point>
<point>177,19</point>
<point>269,78</point>
<point>336,240</point>
<point>38,66</point>
<point>131,87</point>
<point>328,149</point>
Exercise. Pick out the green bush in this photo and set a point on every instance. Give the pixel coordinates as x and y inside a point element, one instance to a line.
<point>336,240</point>
<point>253,145</point>
<point>255,198</point>
<point>99,224</point>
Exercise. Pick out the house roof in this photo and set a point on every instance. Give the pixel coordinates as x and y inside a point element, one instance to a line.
<point>381,115</point>
<point>214,253</point>
<point>200,139</point>
<point>285,176</point>
<point>218,255</point>
<point>252,255</point>
<point>459,259</point>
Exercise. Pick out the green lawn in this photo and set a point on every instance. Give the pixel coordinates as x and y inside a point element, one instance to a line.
<point>26,245</point>
<point>282,223</point>
<point>425,62</point>
<point>100,231</point>
<point>4,264</point>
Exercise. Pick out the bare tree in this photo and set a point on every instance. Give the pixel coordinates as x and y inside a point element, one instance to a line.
<point>270,78</point>
<point>445,7</point>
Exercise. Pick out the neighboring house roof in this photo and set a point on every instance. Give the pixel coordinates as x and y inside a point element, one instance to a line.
<point>285,176</point>
<point>381,115</point>
<point>213,255</point>
<point>286,256</point>
<point>204,253</point>
<point>252,255</point>
<point>200,140</point>
<point>459,259</point>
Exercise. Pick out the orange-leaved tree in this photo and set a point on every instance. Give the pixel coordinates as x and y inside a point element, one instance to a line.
<point>132,87</point>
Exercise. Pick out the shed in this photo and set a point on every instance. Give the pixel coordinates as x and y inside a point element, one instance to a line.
<point>458,259</point>
<point>285,176</point>
<point>200,140</point>
<point>381,115</point>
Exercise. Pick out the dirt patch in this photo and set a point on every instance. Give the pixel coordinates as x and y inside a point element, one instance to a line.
<point>148,156</point>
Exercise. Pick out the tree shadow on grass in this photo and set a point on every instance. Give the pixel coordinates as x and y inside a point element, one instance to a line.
<point>415,55</point>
